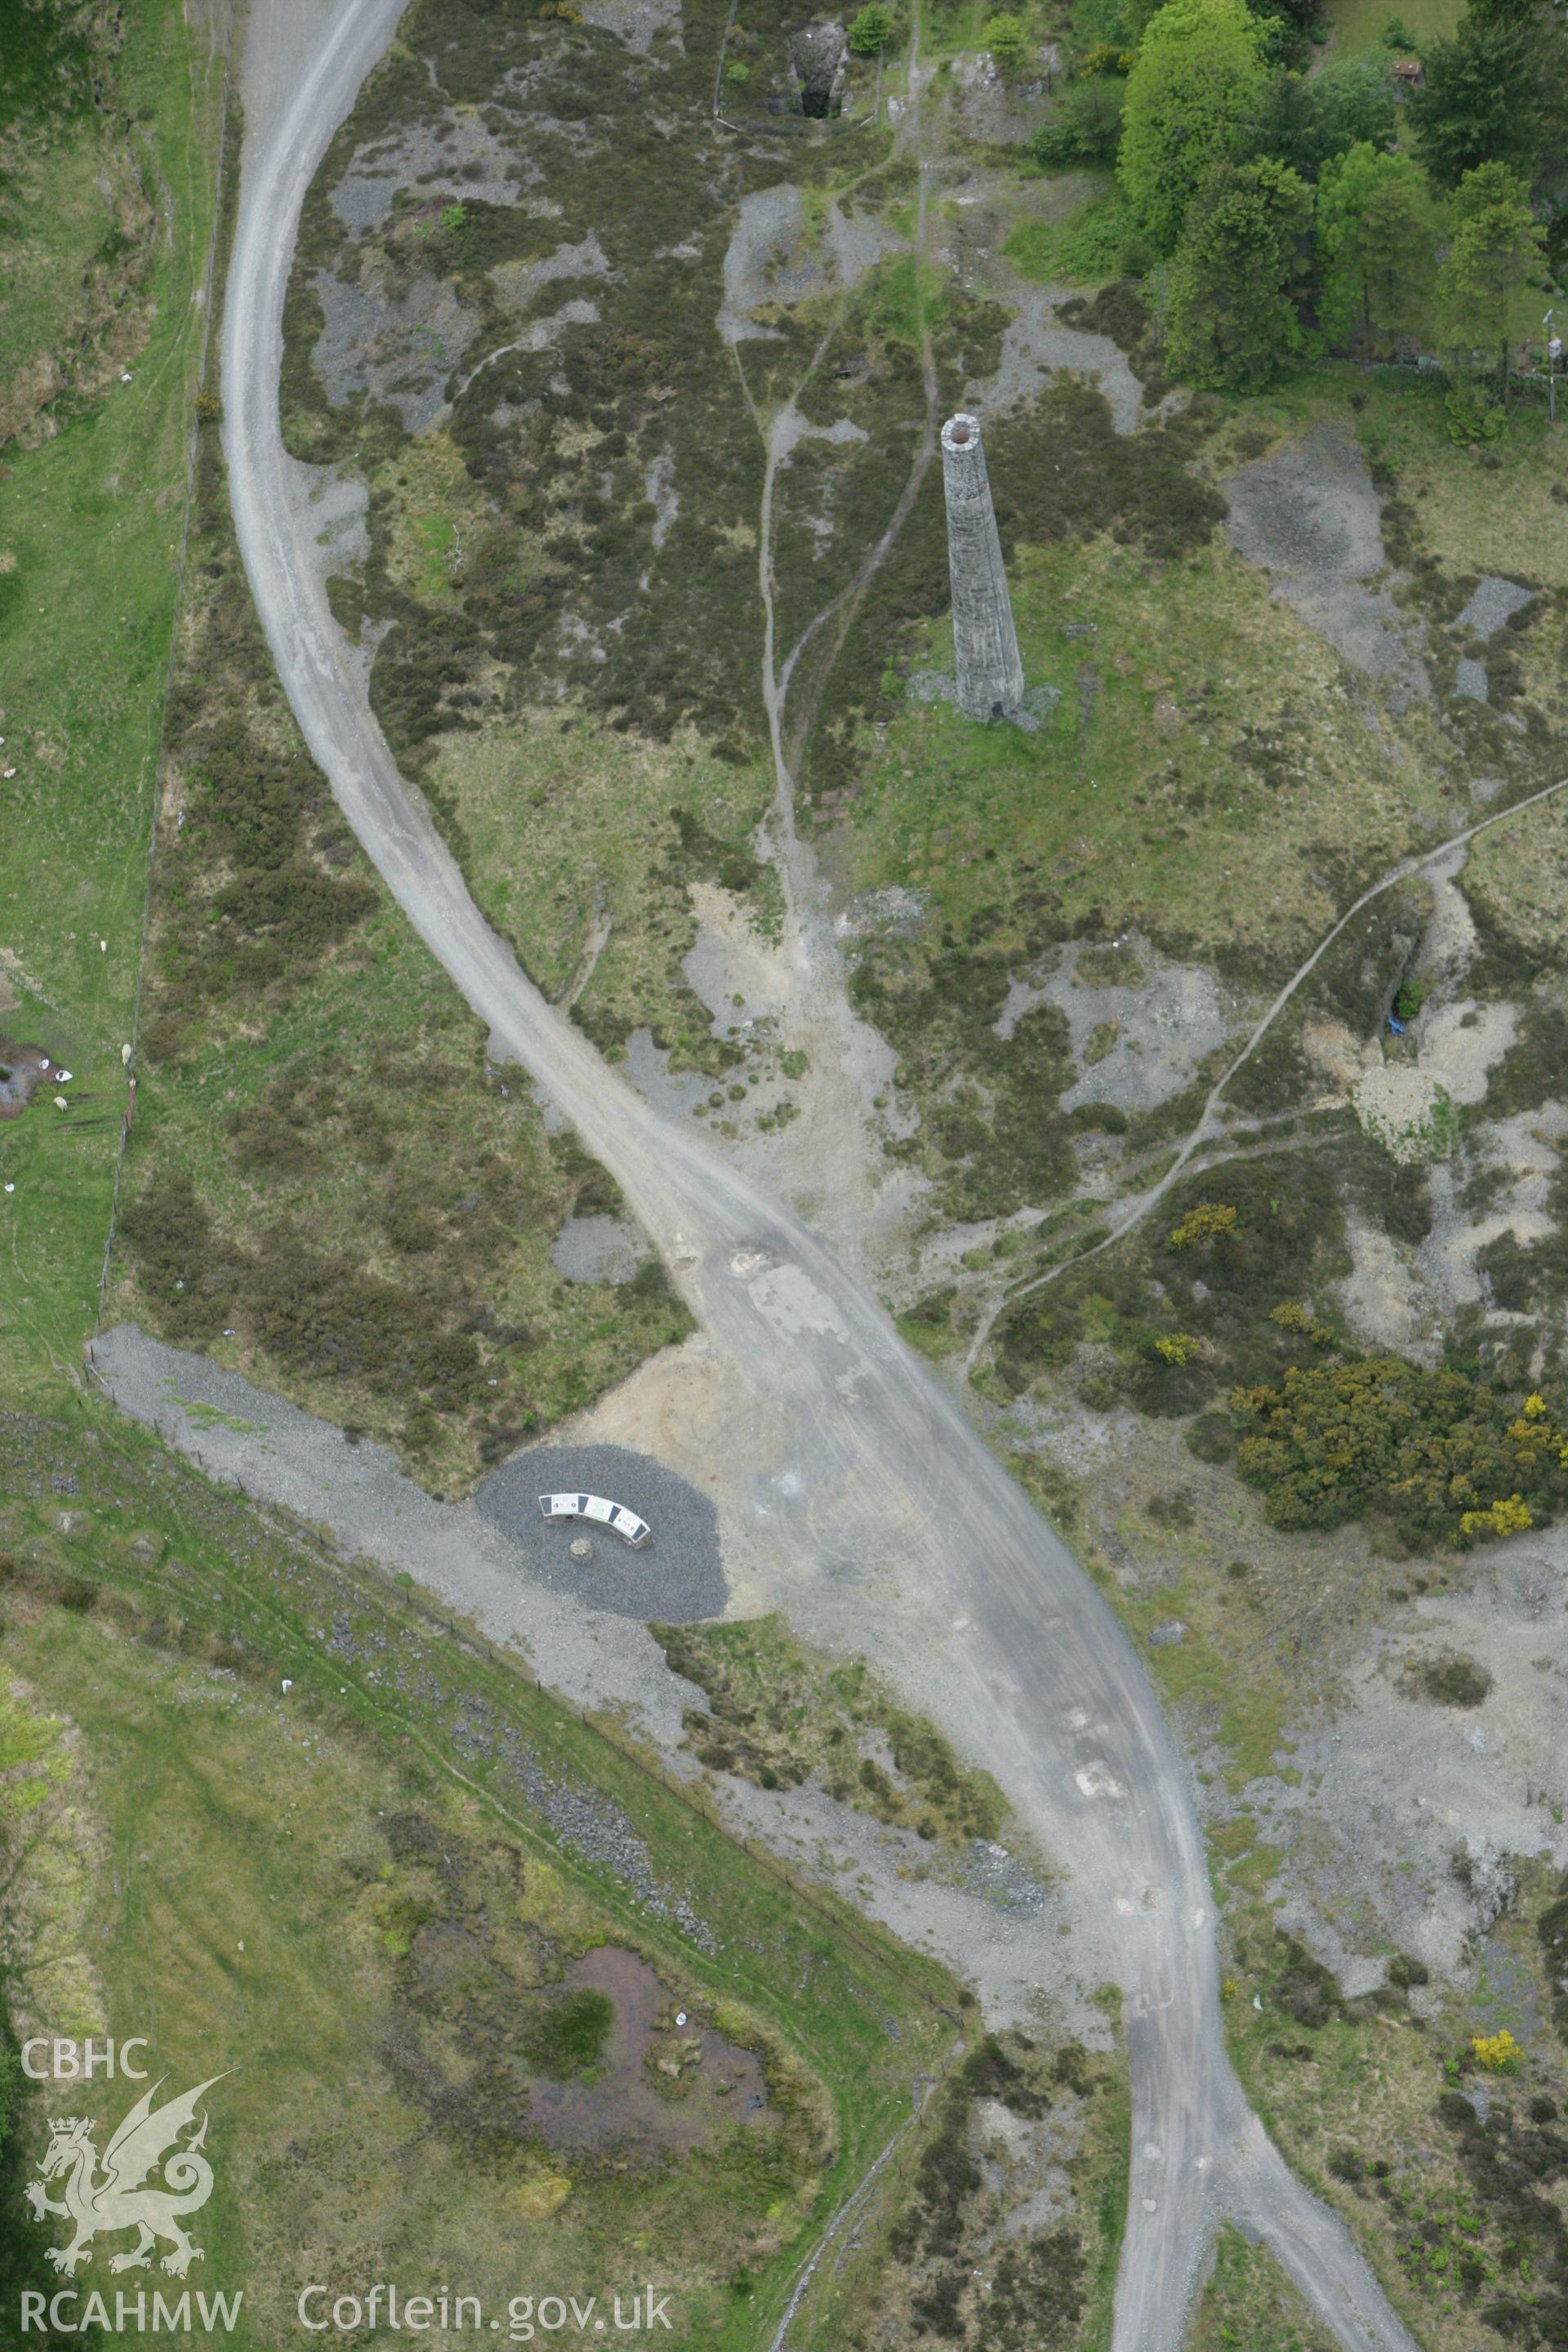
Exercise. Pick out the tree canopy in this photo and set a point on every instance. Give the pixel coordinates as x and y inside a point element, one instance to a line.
<point>1351,99</point>
<point>1226,157</point>
<point>1087,126</point>
<point>871,31</point>
<point>1008,43</point>
<point>1307,124</point>
<point>1377,232</point>
<point>1198,77</point>
<point>1496,259</point>
<point>1230,317</point>
<point>1483,99</point>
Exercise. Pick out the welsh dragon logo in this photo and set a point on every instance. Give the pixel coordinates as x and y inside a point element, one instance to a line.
<point>122,2196</point>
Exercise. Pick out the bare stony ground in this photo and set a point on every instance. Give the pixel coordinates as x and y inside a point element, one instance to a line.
<point>1398,1295</point>
<point>1400,1822</point>
<point>249,1438</point>
<point>1307,514</point>
<point>1396,1789</point>
<point>598,1249</point>
<point>460,157</point>
<point>1384,1789</point>
<point>966,236</point>
<point>1387,1780</point>
<point>403,350</point>
<point>1001,1920</point>
<point>1015,1937</point>
<point>771,258</point>
<point>1140,1040</point>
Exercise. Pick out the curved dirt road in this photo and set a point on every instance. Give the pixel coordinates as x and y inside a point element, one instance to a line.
<point>885,1507</point>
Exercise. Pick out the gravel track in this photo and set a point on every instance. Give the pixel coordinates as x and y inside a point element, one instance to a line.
<point>892,1526</point>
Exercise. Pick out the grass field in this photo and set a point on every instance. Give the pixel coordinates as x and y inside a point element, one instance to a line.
<point>1467,510</point>
<point>1082,242</point>
<point>1207,772</point>
<point>347,1891</point>
<point>1519,874</point>
<point>80,227</point>
<point>90,533</point>
<point>1358,24</point>
<point>1210,772</point>
<point>1143,793</point>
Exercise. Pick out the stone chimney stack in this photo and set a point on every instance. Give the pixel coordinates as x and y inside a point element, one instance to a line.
<point>985,643</point>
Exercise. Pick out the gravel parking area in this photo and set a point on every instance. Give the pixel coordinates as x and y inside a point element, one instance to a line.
<point>677,1578</point>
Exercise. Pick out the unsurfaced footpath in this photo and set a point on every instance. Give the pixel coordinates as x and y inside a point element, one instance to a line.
<point>981,1615</point>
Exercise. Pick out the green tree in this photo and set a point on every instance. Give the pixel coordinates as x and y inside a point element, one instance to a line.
<point>1495,259</point>
<point>1196,82</point>
<point>1229,317</point>
<point>1483,99</point>
<point>1284,27</point>
<point>1009,45</point>
<point>1307,124</point>
<point>1377,238</point>
<point>868,36</point>
<point>871,31</point>
<point>1086,126</point>
<point>1351,100</point>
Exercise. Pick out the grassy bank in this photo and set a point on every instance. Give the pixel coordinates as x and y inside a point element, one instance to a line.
<point>371,1894</point>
